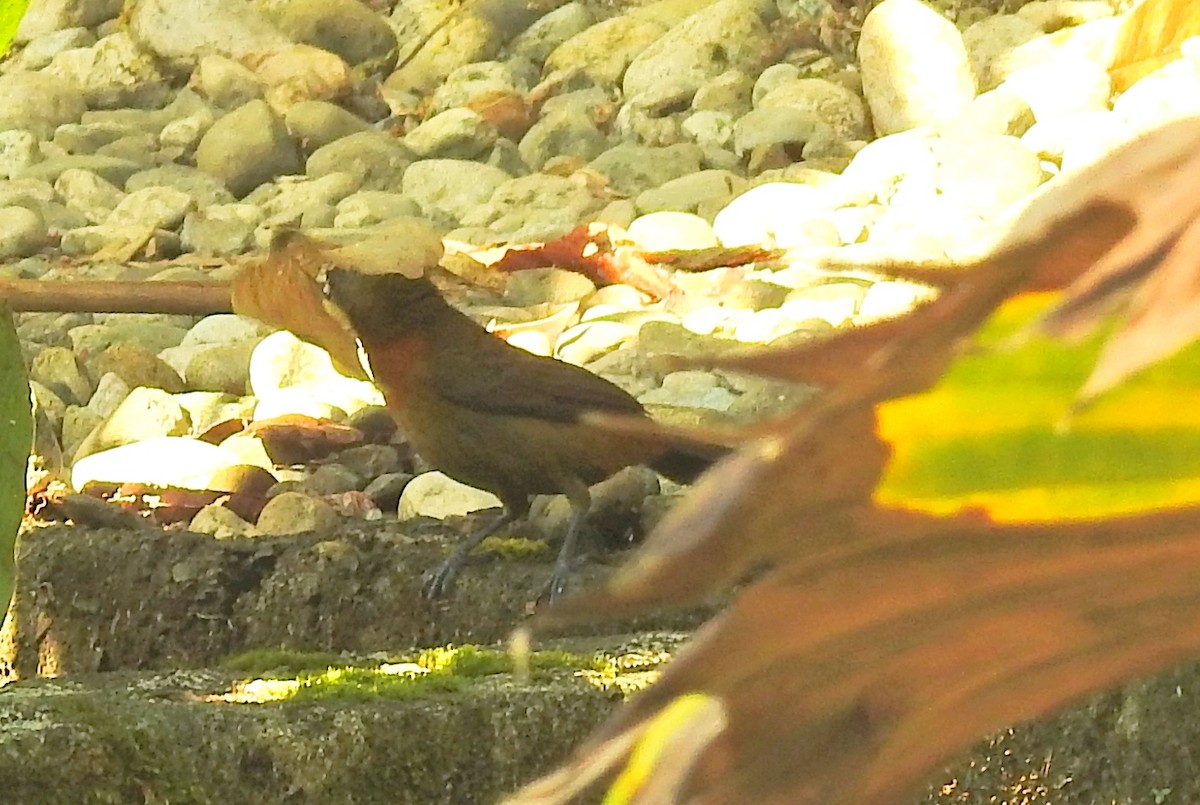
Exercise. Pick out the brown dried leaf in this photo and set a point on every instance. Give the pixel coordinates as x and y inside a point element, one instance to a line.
<point>297,438</point>
<point>588,250</point>
<point>281,289</point>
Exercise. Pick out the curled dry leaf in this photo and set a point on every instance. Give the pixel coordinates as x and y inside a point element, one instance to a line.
<point>281,289</point>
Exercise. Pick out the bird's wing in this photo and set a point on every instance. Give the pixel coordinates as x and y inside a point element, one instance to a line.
<point>526,385</point>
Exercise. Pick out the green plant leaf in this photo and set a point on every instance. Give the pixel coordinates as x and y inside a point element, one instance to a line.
<point>11,12</point>
<point>16,436</point>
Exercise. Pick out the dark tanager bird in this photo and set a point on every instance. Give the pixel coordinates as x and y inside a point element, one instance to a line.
<point>494,416</point>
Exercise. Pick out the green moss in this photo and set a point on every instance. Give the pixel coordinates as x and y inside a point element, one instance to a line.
<point>316,677</point>
<point>276,662</point>
<point>514,548</point>
<point>359,684</point>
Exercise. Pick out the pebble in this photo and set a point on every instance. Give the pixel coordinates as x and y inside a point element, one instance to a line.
<point>295,513</point>
<point>434,494</point>
<point>915,67</point>
<point>163,461</point>
<point>679,120</point>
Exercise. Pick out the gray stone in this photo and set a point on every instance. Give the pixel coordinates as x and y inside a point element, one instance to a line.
<point>226,82</point>
<point>297,196</point>
<point>370,460</point>
<point>345,27</point>
<point>183,135</point>
<point>553,286</point>
<point>434,494</point>
<point>223,229</point>
<point>690,193</point>
<point>247,147</point>
<point>989,42</point>
<point>831,103</point>
<point>181,31</point>
<point>472,81</point>
<point>330,479</point>
<point>450,186</point>
<point>137,366</point>
<point>86,138</point>
<point>771,79</point>
<point>22,232</point>
<point>77,423</point>
<point>144,413</point>
<point>690,389</point>
<point>38,52</point>
<point>57,369</point>
<point>220,367</point>
<point>111,74</point>
<point>224,328</point>
<point>439,36</point>
<point>295,513</point>
<point>915,68</point>
<point>540,39</point>
<point>782,125</point>
<point>730,92</point>
<point>728,34</point>
<point>317,123</point>
<point>709,128</point>
<point>453,134</point>
<point>92,339</point>
<point>385,490</point>
<point>204,189</point>
<point>112,169</point>
<point>18,151</point>
<point>369,207</point>
<point>375,158</point>
<point>562,131</point>
<point>38,103</point>
<point>220,522</point>
<point>551,201</point>
<point>604,51</point>
<point>632,168</point>
<point>154,207</point>
<point>30,193</point>
<point>48,16</point>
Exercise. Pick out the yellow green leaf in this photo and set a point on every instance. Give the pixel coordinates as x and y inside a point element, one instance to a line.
<point>998,432</point>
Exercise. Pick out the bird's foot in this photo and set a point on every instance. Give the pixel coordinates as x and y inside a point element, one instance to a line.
<point>440,581</point>
<point>559,583</point>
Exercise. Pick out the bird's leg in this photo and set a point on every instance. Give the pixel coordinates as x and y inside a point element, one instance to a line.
<point>439,581</point>
<point>581,501</point>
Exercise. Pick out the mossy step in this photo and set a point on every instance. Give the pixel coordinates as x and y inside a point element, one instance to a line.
<point>102,599</point>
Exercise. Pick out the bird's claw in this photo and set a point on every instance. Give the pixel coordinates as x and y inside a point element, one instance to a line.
<point>440,581</point>
<point>556,587</point>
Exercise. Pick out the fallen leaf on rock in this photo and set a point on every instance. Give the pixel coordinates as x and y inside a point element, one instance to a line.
<point>298,438</point>
<point>589,250</point>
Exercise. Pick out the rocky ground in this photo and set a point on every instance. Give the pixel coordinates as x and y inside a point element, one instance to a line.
<point>166,140</point>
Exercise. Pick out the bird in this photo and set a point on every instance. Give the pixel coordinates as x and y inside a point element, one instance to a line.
<point>494,416</point>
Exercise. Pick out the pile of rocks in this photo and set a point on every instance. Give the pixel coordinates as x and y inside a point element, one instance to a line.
<point>198,126</point>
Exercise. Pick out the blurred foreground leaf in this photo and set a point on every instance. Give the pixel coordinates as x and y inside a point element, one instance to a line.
<point>1150,37</point>
<point>11,12</point>
<point>944,556</point>
<point>16,437</point>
